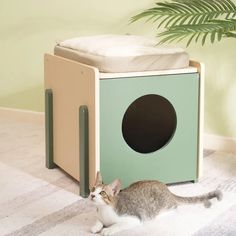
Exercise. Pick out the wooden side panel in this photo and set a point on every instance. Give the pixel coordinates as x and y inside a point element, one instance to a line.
<point>73,84</point>
<point>201,70</point>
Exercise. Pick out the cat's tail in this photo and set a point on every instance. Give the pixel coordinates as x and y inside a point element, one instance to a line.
<point>205,198</point>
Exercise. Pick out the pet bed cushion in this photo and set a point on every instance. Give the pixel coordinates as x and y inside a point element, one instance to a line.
<point>122,53</point>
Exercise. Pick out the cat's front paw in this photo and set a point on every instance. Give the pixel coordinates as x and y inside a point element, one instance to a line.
<point>108,232</point>
<point>96,227</point>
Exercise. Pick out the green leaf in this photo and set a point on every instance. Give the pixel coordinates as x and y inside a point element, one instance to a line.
<point>189,11</point>
<point>194,20</point>
<point>204,38</point>
<point>230,34</point>
<point>214,29</point>
<point>191,38</point>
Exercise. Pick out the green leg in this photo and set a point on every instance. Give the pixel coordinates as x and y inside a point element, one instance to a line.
<point>84,155</point>
<point>49,128</point>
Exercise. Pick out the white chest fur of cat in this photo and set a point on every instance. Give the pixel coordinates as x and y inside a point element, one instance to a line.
<point>118,210</point>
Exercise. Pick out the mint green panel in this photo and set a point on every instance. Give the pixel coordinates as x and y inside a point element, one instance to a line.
<point>177,160</point>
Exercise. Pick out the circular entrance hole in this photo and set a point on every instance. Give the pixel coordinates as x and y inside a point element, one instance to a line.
<point>149,123</point>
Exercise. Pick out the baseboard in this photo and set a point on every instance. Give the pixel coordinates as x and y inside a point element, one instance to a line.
<point>21,115</point>
<point>220,143</point>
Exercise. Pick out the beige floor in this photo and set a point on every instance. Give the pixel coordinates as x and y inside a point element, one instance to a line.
<point>38,201</point>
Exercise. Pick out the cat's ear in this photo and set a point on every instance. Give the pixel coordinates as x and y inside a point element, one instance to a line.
<point>98,180</point>
<point>115,186</point>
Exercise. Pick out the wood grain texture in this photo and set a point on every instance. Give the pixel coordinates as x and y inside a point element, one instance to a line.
<point>73,85</point>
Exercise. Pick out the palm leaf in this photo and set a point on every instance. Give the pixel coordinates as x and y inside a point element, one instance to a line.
<point>187,12</point>
<point>230,34</point>
<point>213,30</point>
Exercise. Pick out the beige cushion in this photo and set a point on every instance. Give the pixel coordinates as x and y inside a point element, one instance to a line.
<point>122,53</point>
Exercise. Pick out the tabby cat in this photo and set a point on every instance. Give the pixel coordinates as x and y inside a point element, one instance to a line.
<point>123,209</point>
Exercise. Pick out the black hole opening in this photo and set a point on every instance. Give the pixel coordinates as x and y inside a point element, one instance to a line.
<point>149,123</point>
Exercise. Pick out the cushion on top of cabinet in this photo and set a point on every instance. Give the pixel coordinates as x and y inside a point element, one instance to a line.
<point>122,53</point>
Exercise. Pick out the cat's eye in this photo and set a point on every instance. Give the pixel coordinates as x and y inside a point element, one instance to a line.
<point>103,193</point>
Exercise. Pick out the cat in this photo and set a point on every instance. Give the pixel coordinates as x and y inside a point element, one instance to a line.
<point>143,200</point>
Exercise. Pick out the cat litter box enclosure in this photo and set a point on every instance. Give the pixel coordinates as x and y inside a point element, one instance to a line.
<point>131,126</point>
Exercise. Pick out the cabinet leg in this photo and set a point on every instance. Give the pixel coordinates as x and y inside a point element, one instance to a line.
<point>84,151</point>
<point>49,128</point>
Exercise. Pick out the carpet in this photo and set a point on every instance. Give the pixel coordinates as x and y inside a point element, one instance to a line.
<point>38,201</point>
